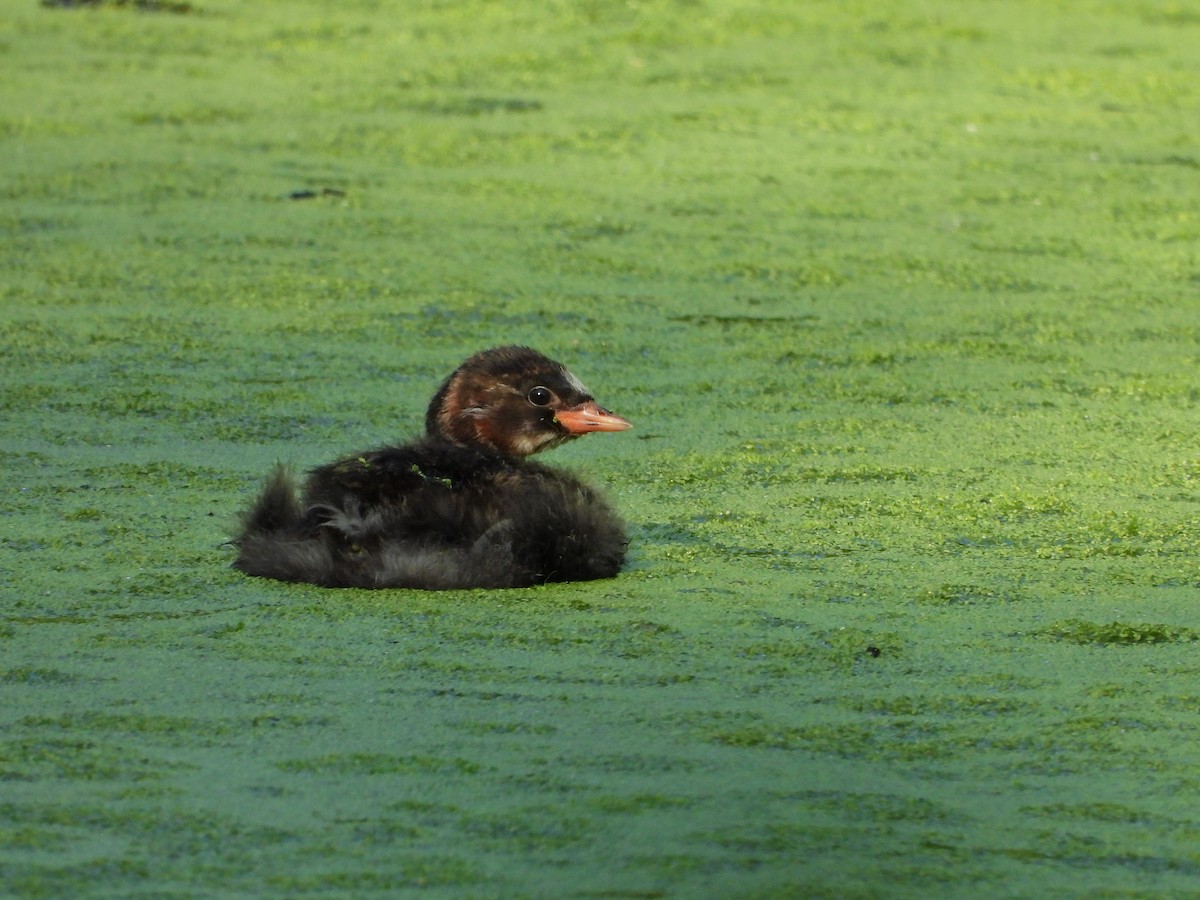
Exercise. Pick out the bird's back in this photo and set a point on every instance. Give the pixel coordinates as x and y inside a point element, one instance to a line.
<point>432,515</point>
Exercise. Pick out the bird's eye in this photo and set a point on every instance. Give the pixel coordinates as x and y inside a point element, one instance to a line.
<point>540,396</point>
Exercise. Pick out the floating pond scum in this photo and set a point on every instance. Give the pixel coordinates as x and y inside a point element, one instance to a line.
<point>904,301</point>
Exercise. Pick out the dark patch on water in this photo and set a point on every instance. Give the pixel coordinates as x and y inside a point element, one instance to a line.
<point>153,6</point>
<point>311,193</point>
<point>727,320</point>
<point>478,106</point>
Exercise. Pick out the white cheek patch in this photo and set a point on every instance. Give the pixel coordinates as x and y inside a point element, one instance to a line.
<point>474,412</point>
<point>525,445</point>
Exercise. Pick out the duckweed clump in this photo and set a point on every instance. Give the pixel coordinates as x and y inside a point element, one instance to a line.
<point>1081,632</point>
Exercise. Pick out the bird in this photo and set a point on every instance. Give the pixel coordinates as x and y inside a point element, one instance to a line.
<point>461,506</point>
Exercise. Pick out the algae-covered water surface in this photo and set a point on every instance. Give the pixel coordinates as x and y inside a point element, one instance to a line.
<point>903,300</point>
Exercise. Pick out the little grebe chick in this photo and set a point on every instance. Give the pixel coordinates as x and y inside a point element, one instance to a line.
<point>460,507</point>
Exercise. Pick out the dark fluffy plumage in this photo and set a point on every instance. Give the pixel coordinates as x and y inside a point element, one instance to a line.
<point>458,508</point>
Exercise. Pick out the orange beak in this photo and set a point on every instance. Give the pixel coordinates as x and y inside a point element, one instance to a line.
<point>590,416</point>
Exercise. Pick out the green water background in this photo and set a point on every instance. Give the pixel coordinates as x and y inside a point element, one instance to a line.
<point>903,298</point>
